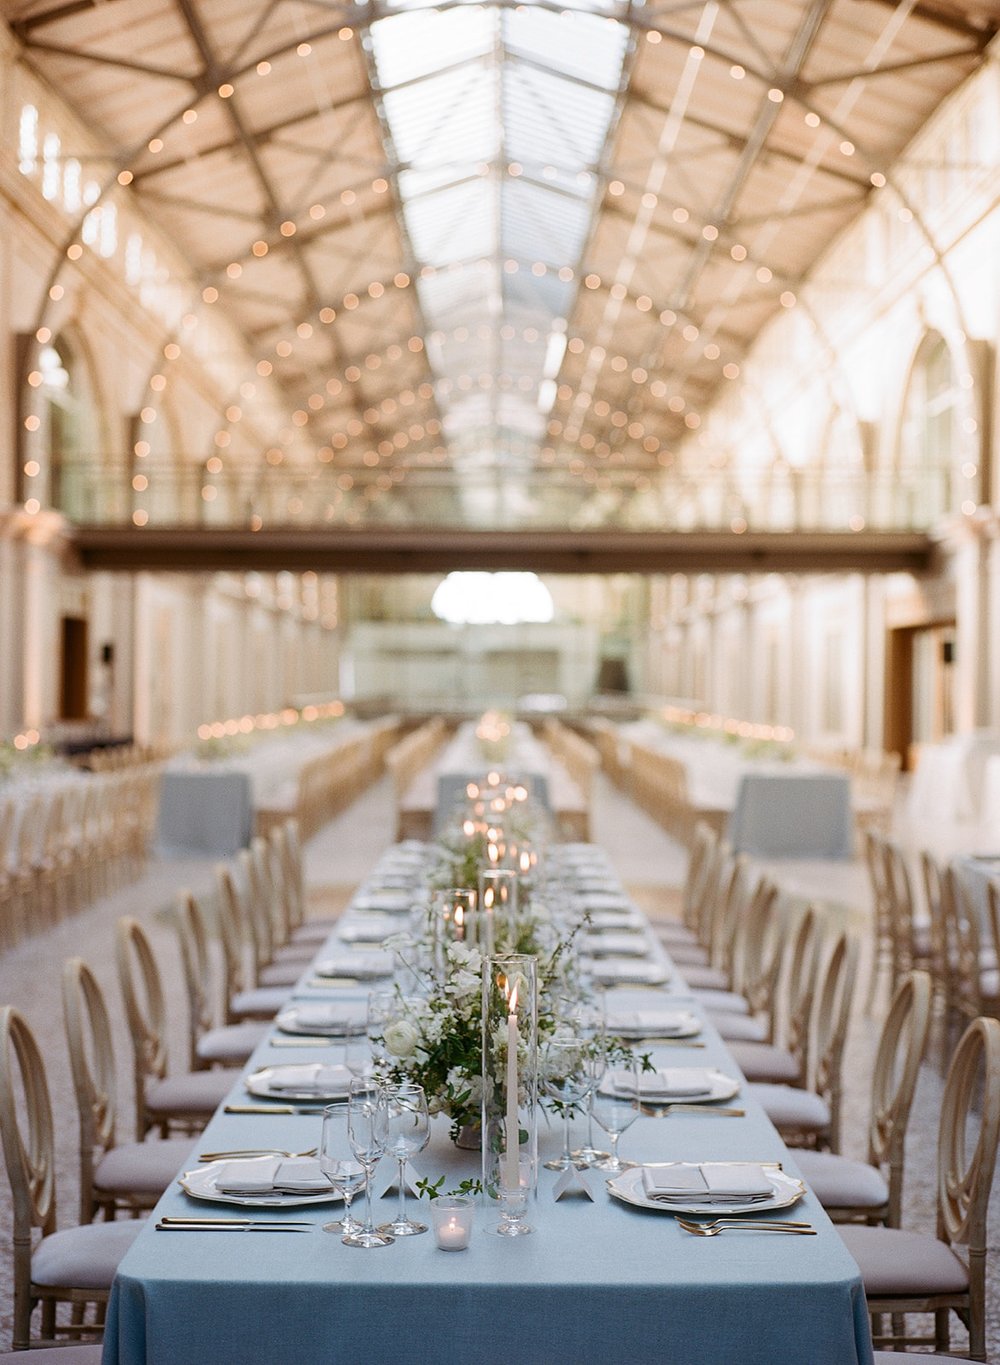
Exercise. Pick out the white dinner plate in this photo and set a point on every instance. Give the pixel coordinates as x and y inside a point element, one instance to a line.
<point>618,971</point>
<point>312,1017</point>
<point>200,1184</point>
<point>388,902</point>
<point>720,1087</point>
<point>360,965</point>
<point>657,1024</point>
<point>260,1083</point>
<point>628,1187</point>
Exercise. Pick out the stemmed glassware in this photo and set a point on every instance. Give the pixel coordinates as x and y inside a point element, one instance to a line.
<point>566,1078</point>
<point>615,1106</point>
<point>588,1020</point>
<point>409,1130</point>
<point>382,1008</point>
<point>338,1163</point>
<point>368,1126</point>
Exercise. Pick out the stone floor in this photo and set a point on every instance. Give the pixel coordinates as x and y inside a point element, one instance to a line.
<point>336,859</point>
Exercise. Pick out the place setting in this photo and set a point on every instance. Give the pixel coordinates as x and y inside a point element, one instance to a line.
<point>724,1188</point>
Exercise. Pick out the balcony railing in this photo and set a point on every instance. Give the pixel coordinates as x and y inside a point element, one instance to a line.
<point>147,493</point>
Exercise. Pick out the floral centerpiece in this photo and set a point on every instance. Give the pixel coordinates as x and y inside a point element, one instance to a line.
<point>436,1040</point>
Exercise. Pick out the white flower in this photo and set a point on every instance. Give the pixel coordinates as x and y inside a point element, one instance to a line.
<point>401,1038</point>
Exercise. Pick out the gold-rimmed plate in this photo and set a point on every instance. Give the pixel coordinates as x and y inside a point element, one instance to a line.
<point>320,1083</point>
<point>628,1187</point>
<point>717,1085</point>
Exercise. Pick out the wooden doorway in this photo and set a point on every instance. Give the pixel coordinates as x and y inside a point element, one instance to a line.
<point>920,683</point>
<point>73,669</point>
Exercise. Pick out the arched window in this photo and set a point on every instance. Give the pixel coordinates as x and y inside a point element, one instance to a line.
<point>939,445</point>
<point>68,432</point>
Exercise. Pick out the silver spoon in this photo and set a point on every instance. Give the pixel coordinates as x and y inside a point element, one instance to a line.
<point>254,1151</point>
<point>733,1224</point>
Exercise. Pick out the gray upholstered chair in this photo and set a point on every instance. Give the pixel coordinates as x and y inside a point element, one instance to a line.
<point>872,1191</point>
<point>209,1043</point>
<point>186,1100</point>
<point>77,1265</point>
<point>113,1176</point>
<point>911,1272</point>
<point>79,1354</point>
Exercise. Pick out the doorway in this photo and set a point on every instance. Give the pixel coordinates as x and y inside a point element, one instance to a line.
<point>920,688</point>
<point>73,669</point>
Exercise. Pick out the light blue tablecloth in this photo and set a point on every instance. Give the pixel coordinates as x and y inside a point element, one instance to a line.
<point>598,1283</point>
<point>793,815</point>
<point>205,811</point>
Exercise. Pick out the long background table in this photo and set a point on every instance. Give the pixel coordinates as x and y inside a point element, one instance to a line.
<point>597,1281</point>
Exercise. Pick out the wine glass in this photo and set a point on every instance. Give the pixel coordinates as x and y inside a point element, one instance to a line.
<point>382,1007</point>
<point>409,1130</point>
<point>565,1079</point>
<point>338,1164</point>
<point>588,1020</point>
<point>368,1128</point>
<point>615,1106</point>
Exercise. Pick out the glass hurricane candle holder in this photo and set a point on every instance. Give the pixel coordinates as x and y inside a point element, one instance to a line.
<point>452,1218</point>
<point>498,919</point>
<point>453,920</point>
<point>510,1076</point>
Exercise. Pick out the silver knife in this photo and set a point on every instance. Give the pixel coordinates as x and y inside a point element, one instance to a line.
<point>279,1108</point>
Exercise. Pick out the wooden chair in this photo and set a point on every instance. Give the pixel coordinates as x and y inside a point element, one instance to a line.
<point>186,1100</point>
<point>77,1265</point>
<point>675,934</point>
<point>709,967</point>
<point>909,1272</point>
<point>940,964</point>
<point>975,980</point>
<point>788,1064</point>
<point>810,1116</point>
<point>911,935</point>
<point>858,1191</point>
<point>882,946</point>
<point>749,1011</point>
<point>241,1000</point>
<point>209,1043</point>
<point>113,1176</point>
<point>10,920</point>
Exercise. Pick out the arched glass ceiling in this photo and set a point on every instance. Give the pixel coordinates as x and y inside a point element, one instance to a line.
<point>499,119</point>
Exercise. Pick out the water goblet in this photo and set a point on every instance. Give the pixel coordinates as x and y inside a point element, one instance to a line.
<point>368,1128</point>
<point>409,1130</point>
<point>338,1164</point>
<point>382,1007</point>
<point>565,1079</point>
<point>615,1106</point>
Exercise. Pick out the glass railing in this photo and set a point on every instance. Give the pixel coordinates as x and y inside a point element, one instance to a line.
<point>324,495</point>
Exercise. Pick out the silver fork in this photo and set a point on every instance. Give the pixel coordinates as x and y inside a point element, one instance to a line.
<point>718,1225</point>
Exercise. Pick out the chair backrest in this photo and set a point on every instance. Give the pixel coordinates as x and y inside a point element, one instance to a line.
<point>894,1080</point>
<point>964,943</point>
<point>967,1152</point>
<point>92,1062</point>
<point>731,904</point>
<point>712,885</point>
<point>29,1151</point>
<point>934,898</point>
<point>294,871</point>
<point>255,877</point>
<point>233,934</point>
<point>703,845</point>
<point>828,1026</point>
<point>762,954</point>
<point>901,908</point>
<point>281,875</point>
<point>192,936</point>
<point>145,1009</point>
<point>799,972</point>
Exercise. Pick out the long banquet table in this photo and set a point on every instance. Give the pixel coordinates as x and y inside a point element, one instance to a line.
<point>597,1281</point>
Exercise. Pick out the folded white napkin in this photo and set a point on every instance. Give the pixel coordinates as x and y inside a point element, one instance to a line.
<point>714,1182</point>
<point>322,1017</point>
<point>372,931</point>
<point>616,943</point>
<point>312,1078</point>
<point>605,900</point>
<point>625,918</point>
<point>650,1023</point>
<point>616,972</point>
<point>361,965</point>
<point>667,1083</point>
<point>390,901</point>
<point>272,1175</point>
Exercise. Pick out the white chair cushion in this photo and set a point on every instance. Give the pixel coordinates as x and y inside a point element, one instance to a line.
<point>892,1358</point>
<point>142,1167</point>
<point>280,973</point>
<point>295,952</point>
<point>739,1027</point>
<point>231,1043</point>
<point>673,932</point>
<point>85,1257</point>
<point>313,931</point>
<point>686,954</point>
<point>840,1183</point>
<point>789,1108</point>
<point>705,978</point>
<point>727,1001</point>
<point>263,1002</point>
<point>191,1092</point>
<point>765,1062</point>
<point>898,1263</point>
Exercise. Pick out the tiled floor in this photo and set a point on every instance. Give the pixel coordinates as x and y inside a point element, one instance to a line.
<point>336,859</point>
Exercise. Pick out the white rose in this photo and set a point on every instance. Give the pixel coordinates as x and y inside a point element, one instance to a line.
<point>400,1038</point>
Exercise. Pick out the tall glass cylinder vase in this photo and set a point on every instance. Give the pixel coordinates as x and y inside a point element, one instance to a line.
<point>498,921</point>
<point>452,920</point>
<point>510,1080</point>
